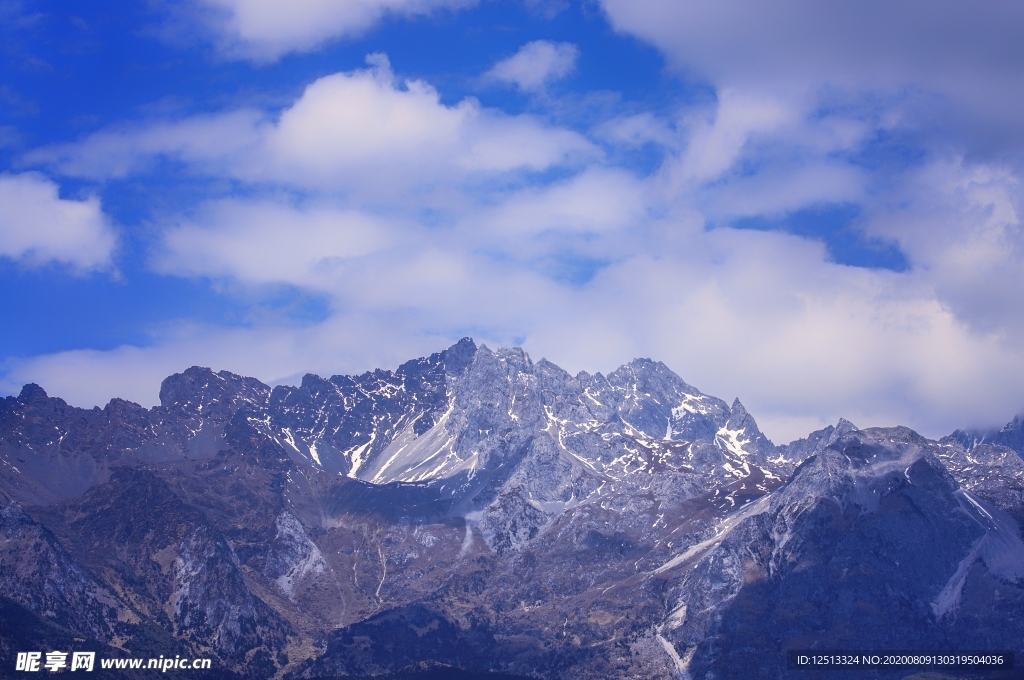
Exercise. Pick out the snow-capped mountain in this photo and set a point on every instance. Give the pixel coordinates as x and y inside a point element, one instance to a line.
<point>478,510</point>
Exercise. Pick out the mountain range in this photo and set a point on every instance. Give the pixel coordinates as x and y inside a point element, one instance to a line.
<point>476,514</point>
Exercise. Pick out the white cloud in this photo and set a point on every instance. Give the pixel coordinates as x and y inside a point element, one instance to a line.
<point>536,64</point>
<point>219,142</point>
<point>357,131</point>
<point>764,317</point>
<point>877,44</point>
<point>364,259</point>
<point>266,242</point>
<point>596,203</point>
<point>965,233</point>
<point>266,29</point>
<point>968,54</point>
<point>88,378</point>
<point>780,190</point>
<point>637,130</point>
<point>37,226</point>
<point>760,315</point>
<point>714,147</point>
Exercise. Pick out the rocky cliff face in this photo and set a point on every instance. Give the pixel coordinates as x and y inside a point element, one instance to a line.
<point>481,511</point>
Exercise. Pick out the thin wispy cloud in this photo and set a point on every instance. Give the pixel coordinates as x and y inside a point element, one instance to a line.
<point>265,30</point>
<point>536,65</point>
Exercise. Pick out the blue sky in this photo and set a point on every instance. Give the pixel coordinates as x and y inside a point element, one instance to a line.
<point>811,206</point>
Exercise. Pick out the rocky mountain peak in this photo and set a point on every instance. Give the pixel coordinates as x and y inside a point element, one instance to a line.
<point>457,357</point>
<point>741,432</point>
<point>477,510</point>
<point>32,393</point>
<point>739,417</point>
<point>199,388</point>
<point>646,376</point>
<point>844,427</point>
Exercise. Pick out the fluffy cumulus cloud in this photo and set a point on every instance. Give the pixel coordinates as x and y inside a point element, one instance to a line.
<point>536,64</point>
<point>38,227</point>
<point>358,131</point>
<point>265,29</point>
<point>420,222</point>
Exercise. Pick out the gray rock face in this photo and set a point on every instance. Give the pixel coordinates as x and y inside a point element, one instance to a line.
<point>293,559</point>
<point>214,607</point>
<point>61,590</point>
<point>870,545</point>
<point>479,510</point>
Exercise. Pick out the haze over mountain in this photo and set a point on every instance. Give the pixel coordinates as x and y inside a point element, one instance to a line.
<point>475,510</point>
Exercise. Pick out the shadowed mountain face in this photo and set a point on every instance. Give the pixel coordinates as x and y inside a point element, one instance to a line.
<point>474,512</point>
